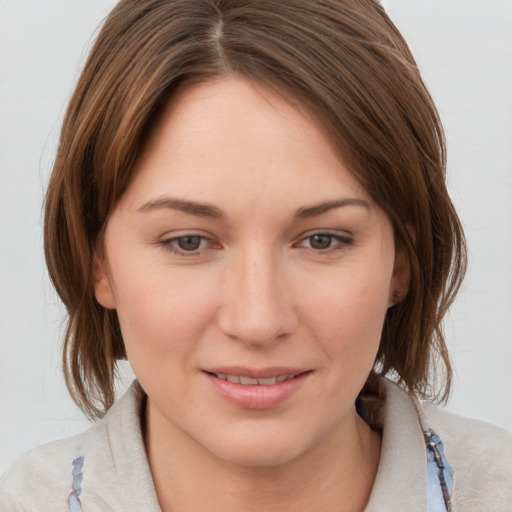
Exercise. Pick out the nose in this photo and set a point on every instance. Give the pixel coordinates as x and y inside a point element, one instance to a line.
<point>257,307</point>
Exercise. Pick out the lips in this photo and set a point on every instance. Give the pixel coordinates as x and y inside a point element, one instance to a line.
<point>256,388</point>
<point>245,380</point>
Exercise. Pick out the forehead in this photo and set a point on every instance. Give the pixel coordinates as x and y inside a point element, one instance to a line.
<point>233,138</point>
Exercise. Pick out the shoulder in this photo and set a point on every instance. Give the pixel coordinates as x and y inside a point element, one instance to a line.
<point>43,478</point>
<point>468,439</point>
<point>479,453</point>
<point>481,457</point>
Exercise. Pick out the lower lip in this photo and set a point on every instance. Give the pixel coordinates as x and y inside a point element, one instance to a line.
<point>257,397</point>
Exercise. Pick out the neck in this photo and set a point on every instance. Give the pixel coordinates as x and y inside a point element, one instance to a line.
<point>337,474</point>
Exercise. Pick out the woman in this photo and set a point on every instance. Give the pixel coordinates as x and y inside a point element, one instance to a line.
<point>249,204</point>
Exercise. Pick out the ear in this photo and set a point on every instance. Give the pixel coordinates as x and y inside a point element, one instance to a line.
<point>400,278</point>
<point>102,282</point>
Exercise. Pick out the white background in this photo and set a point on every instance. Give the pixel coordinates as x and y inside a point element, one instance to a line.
<point>464,48</point>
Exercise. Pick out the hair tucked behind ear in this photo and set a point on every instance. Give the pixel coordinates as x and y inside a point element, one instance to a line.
<point>342,60</point>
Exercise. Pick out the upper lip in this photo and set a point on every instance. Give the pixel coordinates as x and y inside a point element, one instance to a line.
<point>256,373</point>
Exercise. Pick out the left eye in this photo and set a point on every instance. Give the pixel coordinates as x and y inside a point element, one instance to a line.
<point>321,241</point>
<point>325,241</point>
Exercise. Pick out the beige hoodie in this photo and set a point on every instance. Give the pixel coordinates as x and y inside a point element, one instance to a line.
<point>116,474</point>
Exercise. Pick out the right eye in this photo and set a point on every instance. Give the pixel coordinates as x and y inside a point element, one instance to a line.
<point>188,244</point>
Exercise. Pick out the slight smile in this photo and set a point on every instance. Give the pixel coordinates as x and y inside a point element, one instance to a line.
<point>251,381</point>
<point>257,389</point>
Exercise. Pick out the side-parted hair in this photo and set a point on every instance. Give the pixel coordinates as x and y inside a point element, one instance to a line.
<point>344,61</point>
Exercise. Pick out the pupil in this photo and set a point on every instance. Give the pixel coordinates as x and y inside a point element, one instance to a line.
<point>320,241</point>
<point>189,243</point>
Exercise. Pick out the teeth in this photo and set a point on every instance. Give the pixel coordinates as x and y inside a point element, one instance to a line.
<point>248,381</point>
<point>267,382</point>
<point>251,381</point>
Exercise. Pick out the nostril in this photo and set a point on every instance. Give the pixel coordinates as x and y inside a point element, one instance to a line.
<point>255,309</point>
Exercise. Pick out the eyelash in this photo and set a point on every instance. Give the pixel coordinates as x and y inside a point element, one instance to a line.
<point>340,242</point>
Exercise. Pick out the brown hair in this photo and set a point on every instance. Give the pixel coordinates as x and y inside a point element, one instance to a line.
<point>342,59</point>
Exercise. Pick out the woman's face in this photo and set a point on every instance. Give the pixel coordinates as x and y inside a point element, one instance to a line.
<point>251,275</point>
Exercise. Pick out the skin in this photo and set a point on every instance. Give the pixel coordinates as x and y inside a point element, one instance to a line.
<point>259,292</point>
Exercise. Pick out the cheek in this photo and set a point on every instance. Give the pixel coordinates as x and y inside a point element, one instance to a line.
<point>347,316</point>
<point>353,297</point>
<point>161,311</point>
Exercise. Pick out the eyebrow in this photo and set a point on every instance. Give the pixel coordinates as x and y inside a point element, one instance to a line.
<point>191,207</point>
<point>207,210</point>
<point>319,209</point>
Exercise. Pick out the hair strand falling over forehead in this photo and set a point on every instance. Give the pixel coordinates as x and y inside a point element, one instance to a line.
<point>342,60</point>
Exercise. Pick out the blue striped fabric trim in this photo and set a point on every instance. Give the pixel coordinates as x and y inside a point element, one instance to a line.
<point>439,475</point>
<point>78,478</point>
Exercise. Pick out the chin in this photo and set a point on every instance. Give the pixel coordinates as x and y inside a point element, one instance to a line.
<point>258,451</point>
<point>260,458</point>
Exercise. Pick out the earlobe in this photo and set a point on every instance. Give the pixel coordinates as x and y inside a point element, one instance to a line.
<point>400,279</point>
<point>102,283</point>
